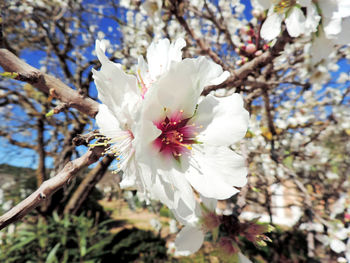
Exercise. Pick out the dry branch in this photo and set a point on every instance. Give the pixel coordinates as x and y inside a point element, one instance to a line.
<point>239,75</point>
<point>86,186</point>
<point>47,84</point>
<point>50,186</point>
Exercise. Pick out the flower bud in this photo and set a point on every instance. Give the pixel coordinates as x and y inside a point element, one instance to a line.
<point>250,48</point>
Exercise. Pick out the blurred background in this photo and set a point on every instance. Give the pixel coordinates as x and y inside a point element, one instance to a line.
<point>297,146</point>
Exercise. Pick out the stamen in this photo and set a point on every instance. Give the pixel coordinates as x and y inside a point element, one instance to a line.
<point>177,135</point>
<point>282,6</point>
<point>120,146</point>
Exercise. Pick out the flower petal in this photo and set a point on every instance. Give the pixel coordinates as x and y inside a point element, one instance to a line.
<point>337,246</point>
<point>343,38</point>
<point>131,177</point>
<point>189,240</point>
<point>312,19</point>
<point>210,203</point>
<point>332,26</point>
<point>321,48</point>
<point>116,89</point>
<point>161,54</point>
<point>172,189</point>
<point>344,8</point>
<point>182,85</point>
<point>272,25</point>
<point>183,194</point>
<point>107,122</point>
<point>224,120</point>
<point>264,4</point>
<point>295,22</point>
<point>243,259</point>
<point>215,170</point>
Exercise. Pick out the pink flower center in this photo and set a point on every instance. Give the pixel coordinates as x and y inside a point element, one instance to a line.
<point>177,135</point>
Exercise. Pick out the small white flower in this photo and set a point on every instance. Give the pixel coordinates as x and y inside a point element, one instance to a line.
<point>290,12</point>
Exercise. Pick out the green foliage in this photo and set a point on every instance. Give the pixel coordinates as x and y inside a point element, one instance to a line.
<point>68,239</point>
<point>15,178</point>
<point>131,245</point>
<point>79,239</point>
<point>164,211</point>
<point>25,179</point>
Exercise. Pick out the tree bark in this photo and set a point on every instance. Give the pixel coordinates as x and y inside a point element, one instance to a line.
<point>40,172</point>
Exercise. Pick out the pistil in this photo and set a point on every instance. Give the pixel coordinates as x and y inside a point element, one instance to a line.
<point>177,135</point>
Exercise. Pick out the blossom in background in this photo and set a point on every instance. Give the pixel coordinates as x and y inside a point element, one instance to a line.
<point>337,235</point>
<point>329,31</point>
<point>334,30</point>
<point>166,138</point>
<point>291,13</point>
<point>336,20</point>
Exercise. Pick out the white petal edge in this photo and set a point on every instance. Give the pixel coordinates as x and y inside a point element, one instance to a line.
<point>214,171</point>
<point>224,120</point>
<point>337,246</point>
<point>243,259</point>
<point>295,22</point>
<point>107,122</point>
<point>189,240</point>
<point>272,26</point>
<point>180,88</point>
<point>116,89</point>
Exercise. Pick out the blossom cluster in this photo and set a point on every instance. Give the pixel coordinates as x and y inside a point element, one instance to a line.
<point>326,21</point>
<point>166,138</point>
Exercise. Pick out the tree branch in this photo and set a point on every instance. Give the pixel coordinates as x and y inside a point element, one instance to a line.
<point>86,186</point>
<point>47,84</point>
<point>50,186</point>
<point>238,75</point>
